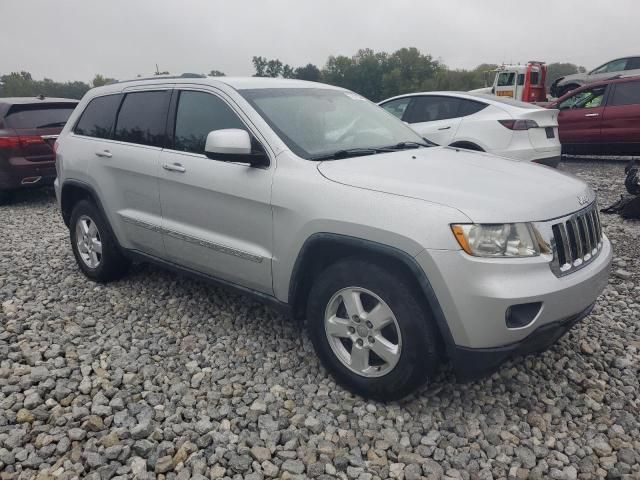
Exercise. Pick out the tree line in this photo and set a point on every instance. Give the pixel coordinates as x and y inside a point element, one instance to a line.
<point>375,75</point>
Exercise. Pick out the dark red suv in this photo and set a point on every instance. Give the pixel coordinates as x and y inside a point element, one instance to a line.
<point>28,129</point>
<point>601,118</point>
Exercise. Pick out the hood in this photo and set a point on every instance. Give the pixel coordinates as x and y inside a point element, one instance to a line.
<point>486,188</point>
<point>573,78</point>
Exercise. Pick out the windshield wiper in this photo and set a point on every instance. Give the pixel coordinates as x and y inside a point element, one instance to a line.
<point>350,152</point>
<point>408,145</point>
<point>53,124</point>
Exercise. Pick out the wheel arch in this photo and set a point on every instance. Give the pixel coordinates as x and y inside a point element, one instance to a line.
<point>73,191</point>
<point>323,249</point>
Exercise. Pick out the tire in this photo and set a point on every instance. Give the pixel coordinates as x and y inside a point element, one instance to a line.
<point>416,345</point>
<point>97,254</point>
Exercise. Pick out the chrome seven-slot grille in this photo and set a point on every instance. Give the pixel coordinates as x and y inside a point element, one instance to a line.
<point>578,240</point>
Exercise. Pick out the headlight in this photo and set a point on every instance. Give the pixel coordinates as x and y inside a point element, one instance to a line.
<point>501,240</point>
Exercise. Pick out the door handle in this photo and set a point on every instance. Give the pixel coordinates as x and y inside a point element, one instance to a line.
<point>445,128</point>
<point>591,114</point>
<point>104,154</point>
<point>174,167</point>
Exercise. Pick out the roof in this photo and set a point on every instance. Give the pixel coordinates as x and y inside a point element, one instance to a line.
<point>28,100</point>
<point>481,97</point>
<point>237,83</point>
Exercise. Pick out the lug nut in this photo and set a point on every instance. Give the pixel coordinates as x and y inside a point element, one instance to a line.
<point>371,339</point>
<point>359,342</point>
<point>352,330</point>
<point>369,325</point>
<point>356,318</point>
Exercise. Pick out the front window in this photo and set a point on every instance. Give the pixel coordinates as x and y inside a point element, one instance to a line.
<point>316,122</point>
<point>506,79</point>
<point>590,98</point>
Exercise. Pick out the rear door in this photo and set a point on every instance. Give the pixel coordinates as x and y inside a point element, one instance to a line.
<point>580,117</point>
<point>621,117</point>
<point>434,117</point>
<point>126,168</point>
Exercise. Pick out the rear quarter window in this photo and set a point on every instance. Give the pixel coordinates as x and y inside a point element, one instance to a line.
<point>98,118</point>
<point>38,115</point>
<point>469,107</point>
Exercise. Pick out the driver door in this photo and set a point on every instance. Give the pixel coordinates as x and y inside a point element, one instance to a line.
<point>580,118</point>
<point>217,216</point>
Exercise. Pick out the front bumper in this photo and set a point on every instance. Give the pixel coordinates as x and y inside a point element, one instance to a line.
<point>473,363</point>
<point>475,294</point>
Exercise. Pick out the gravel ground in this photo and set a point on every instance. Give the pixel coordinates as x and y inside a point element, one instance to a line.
<point>159,375</point>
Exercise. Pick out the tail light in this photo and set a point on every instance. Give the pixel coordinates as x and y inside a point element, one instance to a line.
<point>518,124</point>
<point>21,142</point>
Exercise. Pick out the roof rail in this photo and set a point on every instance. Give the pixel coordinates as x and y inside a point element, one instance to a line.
<point>165,77</point>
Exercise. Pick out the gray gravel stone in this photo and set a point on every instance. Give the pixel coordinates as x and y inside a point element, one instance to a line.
<point>158,373</point>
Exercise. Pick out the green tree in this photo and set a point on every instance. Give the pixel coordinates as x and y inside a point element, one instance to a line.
<point>308,72</point>
<point>99,81</point>
<point>557,70</point>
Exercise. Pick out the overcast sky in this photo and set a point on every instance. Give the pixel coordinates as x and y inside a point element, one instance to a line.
<point>75,39</point>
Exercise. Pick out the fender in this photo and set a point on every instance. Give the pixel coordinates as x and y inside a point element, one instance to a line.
<point>366,246</point>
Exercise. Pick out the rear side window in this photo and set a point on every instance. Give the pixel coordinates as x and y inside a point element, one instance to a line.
<point>397,107</point>
<point>142,118</point>
<point>39,115</point>
<point>98,118</point>
<point>534,78</point>
<point>627,93</point>
<point>199,113</point>
<point>469,107</point>
<point>633,63</point>
<point>432,108</point>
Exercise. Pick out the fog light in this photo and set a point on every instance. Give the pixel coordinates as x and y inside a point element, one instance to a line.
<point>518,316</point>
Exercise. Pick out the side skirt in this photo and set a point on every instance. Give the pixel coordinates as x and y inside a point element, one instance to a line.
<point>270,300</point>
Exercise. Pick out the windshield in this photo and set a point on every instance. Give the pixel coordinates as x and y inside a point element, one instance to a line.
<point>317,122</point>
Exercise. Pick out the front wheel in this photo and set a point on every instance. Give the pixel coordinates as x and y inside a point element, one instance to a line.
<point>96,250</point>
<point>372,330</point>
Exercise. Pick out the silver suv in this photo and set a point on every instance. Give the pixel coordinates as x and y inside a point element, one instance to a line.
<point>399,255</point>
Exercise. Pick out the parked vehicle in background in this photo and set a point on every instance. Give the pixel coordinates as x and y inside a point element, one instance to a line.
<point>497,125</point>
<point>28,129</point>
<point>521,82</point>
<point>601,118</point>
<point>621,66</point>
<point>397,254</point>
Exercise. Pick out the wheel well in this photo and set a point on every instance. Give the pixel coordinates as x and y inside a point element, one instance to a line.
<point>318,254</point>
<point>70,196</point>
<point>467,146</point>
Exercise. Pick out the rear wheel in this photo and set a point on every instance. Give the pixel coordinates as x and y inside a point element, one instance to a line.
<point>371,329</point>
<point>96,250</point>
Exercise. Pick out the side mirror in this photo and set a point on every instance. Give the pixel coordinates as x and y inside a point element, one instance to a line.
<point>233,145</point>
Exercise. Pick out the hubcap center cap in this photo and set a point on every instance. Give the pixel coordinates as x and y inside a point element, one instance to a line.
<point>362,331</point>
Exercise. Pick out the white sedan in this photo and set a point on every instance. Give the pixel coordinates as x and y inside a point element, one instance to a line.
<point>516,130</point>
